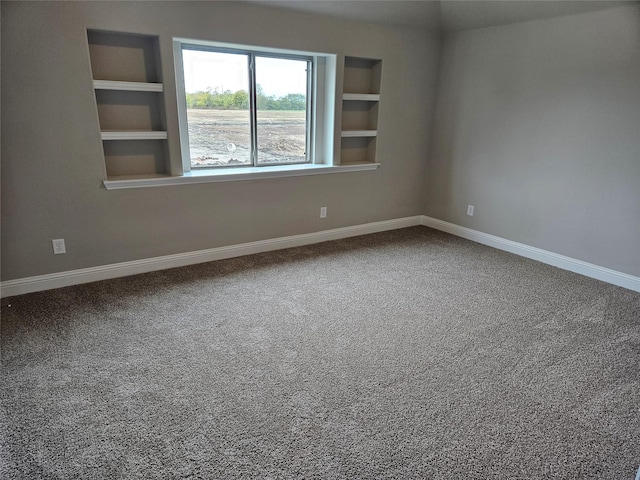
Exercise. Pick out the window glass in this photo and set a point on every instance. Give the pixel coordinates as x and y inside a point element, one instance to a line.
<point>281,97</point>
<point>246,108</point>
<point>217,97</point>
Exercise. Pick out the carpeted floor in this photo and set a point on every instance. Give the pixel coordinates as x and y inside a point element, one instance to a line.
<point>406,354</point>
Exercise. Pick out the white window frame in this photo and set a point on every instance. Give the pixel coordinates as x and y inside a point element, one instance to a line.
<point>320,116</point>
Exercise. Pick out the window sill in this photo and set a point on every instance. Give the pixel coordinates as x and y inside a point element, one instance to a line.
<point>235,174</point>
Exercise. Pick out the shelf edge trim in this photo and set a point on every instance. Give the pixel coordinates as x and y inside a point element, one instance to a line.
<point>155,135</point>
<point>128,86</point>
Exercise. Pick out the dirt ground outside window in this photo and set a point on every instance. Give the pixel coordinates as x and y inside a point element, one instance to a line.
<point>281,137</point>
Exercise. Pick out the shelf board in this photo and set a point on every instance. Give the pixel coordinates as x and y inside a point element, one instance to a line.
<point>129,86</point>
<point>366,97</point>
<point>359,133</point>
<point>134,135</point>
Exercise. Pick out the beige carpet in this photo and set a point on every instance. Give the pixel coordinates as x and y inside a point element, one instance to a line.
<point>406,354</point>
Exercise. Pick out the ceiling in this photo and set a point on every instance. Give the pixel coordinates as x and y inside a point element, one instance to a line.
<point>447,14</point>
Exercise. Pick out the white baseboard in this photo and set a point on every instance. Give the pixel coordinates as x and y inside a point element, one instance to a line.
<point>104,272</point>
<point>566,263</point>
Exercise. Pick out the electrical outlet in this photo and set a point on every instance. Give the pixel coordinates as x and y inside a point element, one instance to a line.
<point>323,212</point>
<point>58,246</point>
<point>470,209</point>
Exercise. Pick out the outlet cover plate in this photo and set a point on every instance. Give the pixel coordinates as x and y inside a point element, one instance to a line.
<point>58,246</point>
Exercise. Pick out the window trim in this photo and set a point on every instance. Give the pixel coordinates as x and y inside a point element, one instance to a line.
<point>230,175</point>
<point>320,108</point>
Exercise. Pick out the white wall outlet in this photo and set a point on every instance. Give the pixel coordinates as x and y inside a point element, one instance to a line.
<point>58,246</point>
<point>470,209</point>
<point>323,212</point>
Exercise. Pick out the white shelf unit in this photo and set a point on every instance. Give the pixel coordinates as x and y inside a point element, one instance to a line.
<point>360,104</point>
<point>130,105</point>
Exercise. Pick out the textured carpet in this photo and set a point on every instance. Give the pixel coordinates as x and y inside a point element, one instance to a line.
<point>405,354</point>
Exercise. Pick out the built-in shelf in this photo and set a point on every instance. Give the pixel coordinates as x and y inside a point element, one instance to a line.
<point>359,133</point>
<point>357,150</point>
<point>127,86</point>
<point>362,75</point>
<point>360,105</point>
<point>135,135</point>
<point>363,97</point>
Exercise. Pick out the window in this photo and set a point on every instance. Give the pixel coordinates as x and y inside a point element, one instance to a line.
<point>245,108</point>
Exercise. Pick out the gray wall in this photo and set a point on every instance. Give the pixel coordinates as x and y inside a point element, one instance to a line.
<point>538,125</point>
<point>52,164</point>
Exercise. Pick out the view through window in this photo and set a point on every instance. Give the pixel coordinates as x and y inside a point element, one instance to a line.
<point>246,108</point>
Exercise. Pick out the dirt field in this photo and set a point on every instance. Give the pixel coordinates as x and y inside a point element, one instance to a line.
<point>281,137</point>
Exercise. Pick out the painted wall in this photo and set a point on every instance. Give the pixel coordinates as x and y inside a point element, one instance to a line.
<point>52,163</point>
<point>537,124</point>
